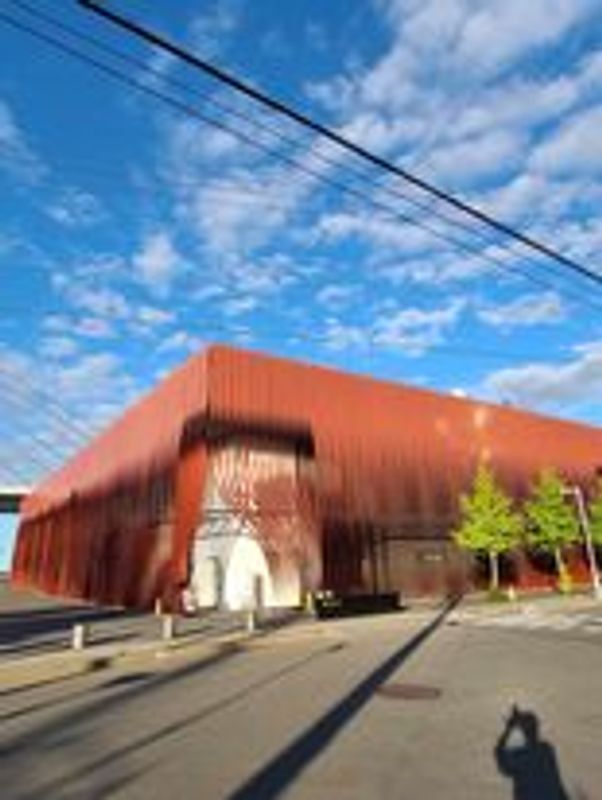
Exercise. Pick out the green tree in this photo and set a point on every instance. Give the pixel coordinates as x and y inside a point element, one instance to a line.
<point>488,522</point>
<point>552,521</point>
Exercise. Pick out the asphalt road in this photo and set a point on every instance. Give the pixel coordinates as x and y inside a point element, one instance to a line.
<point>400,706</point>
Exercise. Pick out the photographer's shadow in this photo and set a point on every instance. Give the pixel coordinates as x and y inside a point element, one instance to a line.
<point>530,762</point>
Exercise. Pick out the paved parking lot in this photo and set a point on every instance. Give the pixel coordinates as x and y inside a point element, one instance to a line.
<point>393,706</point>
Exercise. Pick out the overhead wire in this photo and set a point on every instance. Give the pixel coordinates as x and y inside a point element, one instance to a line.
<point>45,440</point>
<point>277,134</point>
<point>52,406</point>
<point>336,184</point>
<point>497,263</point>
<point>291,113</point>
<point>19,477</point>
<point>30,394</point>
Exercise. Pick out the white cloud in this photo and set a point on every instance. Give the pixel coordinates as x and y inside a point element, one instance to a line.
<point>93,328</point>
<point>376,230</point>
<point>88,327</point>
<point>235,306</point>
<point>100,301</point>
<point>151,316</point>
<point>575,148</point>
<point>239,211</point>
<point>58,347</point>
<point>474,159</point>
<point>180,341</point>
<point>209,32</point>
<point>497,34</point>
<point>434,269</point>
<point>410,330</point>
<point>415,330</point>
<point>96,387</point>
<point>550,385</point>
<point>157,263</point>
<point>335,295</point>
<point>339,335</point>
<point>191,145</point>
<point>262,277</point>
<point>523,104</point>
<point>530,309</point>
<point>16,155</point>
<point>76,209</point>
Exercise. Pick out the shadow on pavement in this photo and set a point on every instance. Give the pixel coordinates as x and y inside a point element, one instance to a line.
<point>86,757</point>
<point>531,764</point>
<point>77,730</point>
<point>279,773</point>
<point>30,630</point>
<point>69,730</point>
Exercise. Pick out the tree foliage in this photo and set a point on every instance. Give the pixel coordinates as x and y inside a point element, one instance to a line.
<point>552,521</point>
<point>488,522</point>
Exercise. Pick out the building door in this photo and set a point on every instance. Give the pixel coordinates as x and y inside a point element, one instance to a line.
<point>208,582</point>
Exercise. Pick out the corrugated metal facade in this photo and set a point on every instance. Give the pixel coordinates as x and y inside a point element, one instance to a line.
<point>380,468</point>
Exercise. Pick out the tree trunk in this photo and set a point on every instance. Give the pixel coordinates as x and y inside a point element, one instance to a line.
<point>559,562</point>
<point>494,572</point>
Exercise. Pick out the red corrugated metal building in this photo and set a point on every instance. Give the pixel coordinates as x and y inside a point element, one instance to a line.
<point>244,478</point>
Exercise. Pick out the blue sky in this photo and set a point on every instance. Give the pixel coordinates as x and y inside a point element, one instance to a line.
<point>131,235</point>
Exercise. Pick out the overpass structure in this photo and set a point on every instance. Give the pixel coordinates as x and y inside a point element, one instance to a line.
<point>11,497</point>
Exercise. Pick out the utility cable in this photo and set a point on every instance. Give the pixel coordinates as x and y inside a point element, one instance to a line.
<point>227,109</point>
<point>190,111</point>
<point>289,112</point>
<point>62,416</point>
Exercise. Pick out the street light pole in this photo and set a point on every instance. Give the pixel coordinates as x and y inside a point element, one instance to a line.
<point>577,493</point>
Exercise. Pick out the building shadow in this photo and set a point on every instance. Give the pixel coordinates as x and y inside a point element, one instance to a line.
<point>278,775</point>
<point>73,734</point>
<point>526,759</point>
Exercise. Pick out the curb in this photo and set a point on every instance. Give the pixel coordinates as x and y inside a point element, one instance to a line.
<point>528,605</point>
<point>30,672</point>
<point>33,671</point>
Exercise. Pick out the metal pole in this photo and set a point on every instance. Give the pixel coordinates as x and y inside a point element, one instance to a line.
<point>589,545</point>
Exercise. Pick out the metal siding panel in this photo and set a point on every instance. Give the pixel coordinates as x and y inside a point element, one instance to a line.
<point>387,456</point>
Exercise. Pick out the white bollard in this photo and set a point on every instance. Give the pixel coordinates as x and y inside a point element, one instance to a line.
<point>79,636</point>
<point>169,627</point>
<point>251,621</point>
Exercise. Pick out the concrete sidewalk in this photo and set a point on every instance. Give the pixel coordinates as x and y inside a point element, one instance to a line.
<point>34,670</point>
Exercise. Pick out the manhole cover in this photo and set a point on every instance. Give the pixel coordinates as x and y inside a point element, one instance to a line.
<point>408,691</point>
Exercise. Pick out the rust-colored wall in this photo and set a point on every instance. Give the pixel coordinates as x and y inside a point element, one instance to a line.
<point>390,462</point>
<point>110,526</point>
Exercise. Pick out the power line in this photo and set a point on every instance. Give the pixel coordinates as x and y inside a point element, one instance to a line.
<point>289,112</point>
<point>62,416</point>
<point>181,107</point>
<point>38,454</point>
<point>233,112</point>
<point>44,439</point>
<point>18,476</point>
